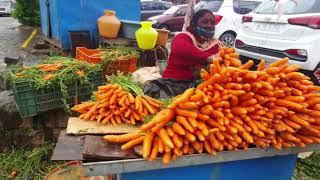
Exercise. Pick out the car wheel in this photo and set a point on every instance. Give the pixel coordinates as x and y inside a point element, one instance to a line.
<point>311,75</point>
<point>228,39</point>
<point>164,26</point>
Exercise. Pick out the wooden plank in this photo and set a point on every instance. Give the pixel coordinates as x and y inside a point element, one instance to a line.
<point>78,126</point>
<point>68,148</point>
<point>54,42</point>
<point>134,165</point>
<point>97,149</point>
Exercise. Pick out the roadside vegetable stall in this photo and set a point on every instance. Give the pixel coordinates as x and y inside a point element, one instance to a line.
<point>236,120</point>
<point>239,122</point>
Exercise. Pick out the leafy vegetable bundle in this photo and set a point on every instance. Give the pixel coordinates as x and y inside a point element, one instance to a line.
<point>55,72</point>
<point>116,58</point>
<point>116,53</point>
<point>233,108</point>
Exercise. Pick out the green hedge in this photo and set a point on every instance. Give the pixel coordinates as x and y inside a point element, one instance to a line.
<point>27,12</point>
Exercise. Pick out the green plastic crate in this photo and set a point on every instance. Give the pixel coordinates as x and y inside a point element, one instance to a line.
<point>30,101</point>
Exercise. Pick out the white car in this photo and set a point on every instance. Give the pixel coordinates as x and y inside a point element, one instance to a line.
<point>6,7</point>
<point>293,32</point>
<point>228,16</point>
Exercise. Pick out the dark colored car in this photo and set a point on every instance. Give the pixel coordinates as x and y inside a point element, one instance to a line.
<point>172,19</point>
<point>151,8</point>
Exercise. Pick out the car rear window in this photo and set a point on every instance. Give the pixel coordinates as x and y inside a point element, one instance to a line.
<point>213,6</point>
<point>289,7</point>
<point>167,5</point>
<point>4,3</point>
<point>182,11</point>
<point>171,10</point>
<point>244,6</point>
<point>146,6</point>
<point>157,6</point>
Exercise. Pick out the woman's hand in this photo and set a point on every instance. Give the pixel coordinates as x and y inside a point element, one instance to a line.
<point>196,73</point>
<point>210,59</point>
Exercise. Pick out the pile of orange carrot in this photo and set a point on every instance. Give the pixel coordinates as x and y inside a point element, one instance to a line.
<point>115,105</point>
<point>226,57</point>
<point>234,108</point>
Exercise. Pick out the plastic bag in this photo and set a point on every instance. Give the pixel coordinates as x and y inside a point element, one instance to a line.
<point>167,88</point>
<point>146,74</point>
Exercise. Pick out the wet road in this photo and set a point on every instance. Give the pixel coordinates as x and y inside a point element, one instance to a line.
<point>12,35</point>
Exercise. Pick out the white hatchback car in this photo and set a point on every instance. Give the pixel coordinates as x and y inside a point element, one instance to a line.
<point>295,33</point>
<point>228,16</point>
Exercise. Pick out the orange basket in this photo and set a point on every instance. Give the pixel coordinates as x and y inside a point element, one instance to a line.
<point>123,65</point>
<point>89,55</point>
<point>94,56</point>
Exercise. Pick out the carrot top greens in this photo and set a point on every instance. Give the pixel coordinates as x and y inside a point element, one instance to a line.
<point>54,72</point>
<point>127,83</point>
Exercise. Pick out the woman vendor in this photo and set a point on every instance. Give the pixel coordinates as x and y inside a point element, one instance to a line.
<point>190,51</point>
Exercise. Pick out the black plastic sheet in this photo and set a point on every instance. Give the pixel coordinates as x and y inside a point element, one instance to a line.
<point>167,88</point>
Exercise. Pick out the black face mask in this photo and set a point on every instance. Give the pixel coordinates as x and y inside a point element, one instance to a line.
<point>205,33</point>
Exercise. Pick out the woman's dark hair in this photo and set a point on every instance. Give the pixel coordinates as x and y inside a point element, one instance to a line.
<point>199,14</point>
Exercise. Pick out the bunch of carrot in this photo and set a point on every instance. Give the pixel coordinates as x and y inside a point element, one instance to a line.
<point>226,57</point>
<point>19,75</point>
<point>50,67</point>
<point>115,105</point>
<point>234,108</point>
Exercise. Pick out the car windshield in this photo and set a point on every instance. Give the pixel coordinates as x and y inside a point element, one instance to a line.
<point>4,3</point>
<point>171,10</point>
<point>244,6</point>
<point>213,6</point>
<point>289,7</point>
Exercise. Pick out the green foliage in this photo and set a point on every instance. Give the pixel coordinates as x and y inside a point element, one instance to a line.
<point>116,53</point>
<point>148,118</point>
<point>308,168</point>
<point>27,12</point>
<point>166,102</point>
<point>7,73</point>
<point>34,163</point>
<point>127,83</point>
<point>64,77</point>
